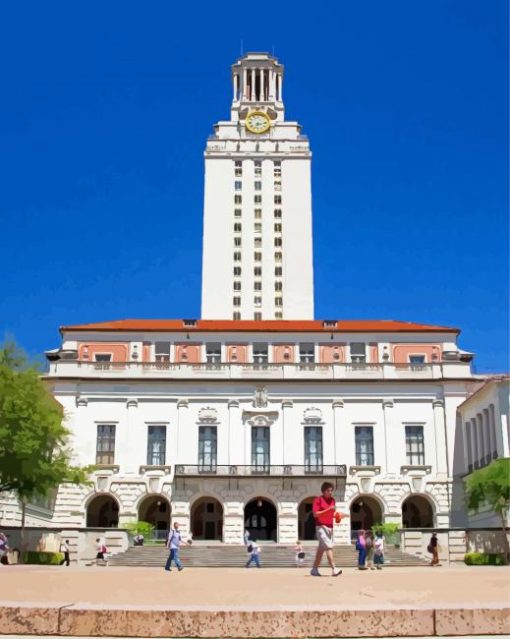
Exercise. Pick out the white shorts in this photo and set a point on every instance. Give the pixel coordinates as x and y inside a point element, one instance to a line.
<point>324,537</point>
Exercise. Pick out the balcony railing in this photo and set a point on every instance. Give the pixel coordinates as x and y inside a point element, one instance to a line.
<point>288,470</point>
<point>308,370</point>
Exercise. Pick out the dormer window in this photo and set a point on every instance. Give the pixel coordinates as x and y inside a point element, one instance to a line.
<point>189,323</point>
<point>329,324</point>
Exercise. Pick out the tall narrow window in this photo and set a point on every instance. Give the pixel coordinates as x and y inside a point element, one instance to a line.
<point>364,439</point>
<point>237,241</point>
<point>236,315</point>
<point>260,353</point>
<point>207,448</point>
<point>257,199</point>
<point>467,435</point>
<point>238,212</point>
<point>257,214</point>
<point>278,214</point>
<point>237,270</point>
<point>278,286</point>
<point>162,351</point>
<point>415,449</point>
<point>105,445</point>
<point>156,445</point>
<point>237,285</point>
<point>358,352</point>
<point>260,448</point>
<point>257,315</point>
<point>277,199</point>
<point>277,241</point>
<point>313,449</point>
<point>306,353</point>
<point>238,198</point>
<point>237,227</point>
<point>238,185</point>
<point>258,185</point>
<point>213,352</point>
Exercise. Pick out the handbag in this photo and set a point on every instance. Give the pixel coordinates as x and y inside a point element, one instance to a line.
<point>429,548</point>
<point>301,555</point>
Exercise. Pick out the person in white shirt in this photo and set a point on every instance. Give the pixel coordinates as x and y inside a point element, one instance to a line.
<point>379,551</point>
<point>64,547</point>
<point>254,551</point>
<point>174,544</point>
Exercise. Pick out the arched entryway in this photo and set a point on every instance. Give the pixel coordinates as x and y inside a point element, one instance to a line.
<point>417,512</point>
<point>103,512</point>
<point>207,519</point>
<point>156,510</point>
<point>306,520</point>
<point>365,511</point>
<point>260,519</point>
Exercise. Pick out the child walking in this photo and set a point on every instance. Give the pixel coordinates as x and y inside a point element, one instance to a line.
<point>300,554</point>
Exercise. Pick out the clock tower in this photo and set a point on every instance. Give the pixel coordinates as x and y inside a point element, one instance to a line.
<point>257,246</point>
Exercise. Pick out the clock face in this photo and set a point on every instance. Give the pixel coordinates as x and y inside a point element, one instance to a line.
<point>257,122</point>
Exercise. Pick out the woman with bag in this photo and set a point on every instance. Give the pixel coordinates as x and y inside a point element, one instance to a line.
<point>362,550</point>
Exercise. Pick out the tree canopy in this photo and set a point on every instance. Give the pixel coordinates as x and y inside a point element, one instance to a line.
<point>34,453</point>
<point>491,486</point>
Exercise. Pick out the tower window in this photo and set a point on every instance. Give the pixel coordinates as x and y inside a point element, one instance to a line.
<point>236,315</point>
<point>237,241</point>
<point>258,185</point>
<point>278,301</point>
<point>238,172</point>
<point>238,185</point>
<point>237,256</point>
<point>257,256</point>
<point>278,315</point>
<point>277,241</point>
<point>258,163</point>
<point>278,271</point>
<point>237,286</point>
<point>236,301</point>
<point>257,300</point>
<point>237,227</point>
<point>257,286</point>
<point>237,212</point>
<point>238,198</point>
<point>278,256</point>
<point>257,271</point>
<point>257,227</point>
<point>257,242</point>
<point>239,164</point>
<point>257,199</point>
<point>277,185</point>
<point>277,199</point>
<point>277,228</point>
<point>237,270</point>
<point>278,286</point>
<point>278,214</point>
<point>257,316</point>
<point>258,214</point>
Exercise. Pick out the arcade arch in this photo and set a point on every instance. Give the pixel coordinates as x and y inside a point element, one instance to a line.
<point>207,519</point>
<point>103,512</point>
<point>261,519</point>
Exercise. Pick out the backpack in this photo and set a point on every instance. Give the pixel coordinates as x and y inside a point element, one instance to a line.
<point>249,548</point>
<point>104,549</point>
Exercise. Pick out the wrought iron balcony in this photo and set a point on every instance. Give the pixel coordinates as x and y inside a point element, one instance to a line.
<point>287,470</point>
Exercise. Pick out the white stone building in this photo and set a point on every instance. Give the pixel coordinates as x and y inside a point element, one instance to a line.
<point>483,434</point>
<point>234,420</point>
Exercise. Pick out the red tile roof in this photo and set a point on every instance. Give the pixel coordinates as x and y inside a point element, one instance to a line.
<point>280,326</point>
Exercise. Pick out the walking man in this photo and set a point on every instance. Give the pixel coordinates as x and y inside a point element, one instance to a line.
<point>64,547</point>
<point>174,544</point>
<point>323,510</point>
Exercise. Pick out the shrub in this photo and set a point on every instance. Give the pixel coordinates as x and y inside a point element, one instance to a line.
<point>483,559</point>
<point>139,528</point>
<point>42,558</point>
<point>390,532</point>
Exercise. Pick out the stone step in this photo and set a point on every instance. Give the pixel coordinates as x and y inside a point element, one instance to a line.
<point>234,556</point>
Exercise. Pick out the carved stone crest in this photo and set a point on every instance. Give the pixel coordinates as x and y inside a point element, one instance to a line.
<point>260,397</point>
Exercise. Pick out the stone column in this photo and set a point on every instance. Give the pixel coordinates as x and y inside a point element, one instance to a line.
<point>389,454</point>
<point>271,84</point>
<point>440,438</point>
<point>341,444</point>
<point>235,83</point>
<point>134,452</point>
<point>262,84</point>
<point>235,434</point>
<point>182,414</point>
<point>287,521</point>
<point>286,404</point>
<point>245,84</point>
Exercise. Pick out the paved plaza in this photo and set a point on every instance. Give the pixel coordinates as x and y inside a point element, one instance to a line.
<point>238,602</point>
<point>253,587</point>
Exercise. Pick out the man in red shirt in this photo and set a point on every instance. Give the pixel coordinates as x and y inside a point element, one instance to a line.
<point>324,512</point>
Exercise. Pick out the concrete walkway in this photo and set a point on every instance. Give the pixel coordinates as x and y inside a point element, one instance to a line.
<point>238,602</point>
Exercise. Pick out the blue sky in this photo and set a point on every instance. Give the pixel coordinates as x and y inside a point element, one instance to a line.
<point>104,116</point>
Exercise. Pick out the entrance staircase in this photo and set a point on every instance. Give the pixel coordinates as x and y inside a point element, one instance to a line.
<point>235,556</point>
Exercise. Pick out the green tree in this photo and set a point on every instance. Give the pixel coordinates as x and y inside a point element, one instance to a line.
<point>491,486</point>
<point>34,453</point>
